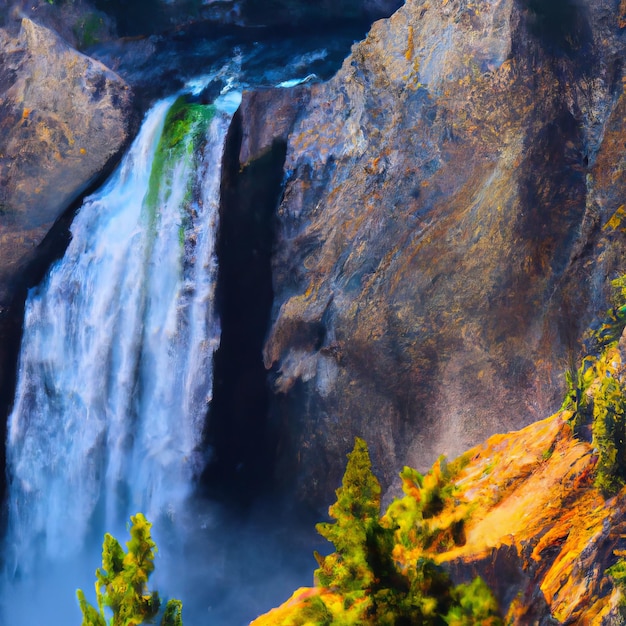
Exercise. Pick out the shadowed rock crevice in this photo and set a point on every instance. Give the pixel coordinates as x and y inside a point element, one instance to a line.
<point>238,431</point>
<point>143,17</point>
<point>561,25</point>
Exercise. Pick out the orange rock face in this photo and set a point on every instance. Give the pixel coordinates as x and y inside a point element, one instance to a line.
<point>445,235</point>
<point>537,530</point>
<point>534,499</point>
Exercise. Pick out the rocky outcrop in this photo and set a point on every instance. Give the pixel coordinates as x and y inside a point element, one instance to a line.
<point>450,218</point>
<point>64,118</point>
<point>267,117</point>
<point>538,514</point>
<point>536,530</point>
<point>542,536</point>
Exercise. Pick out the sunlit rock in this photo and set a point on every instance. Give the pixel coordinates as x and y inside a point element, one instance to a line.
<point>63,118</point>
<point>448,225</point>
<point>536,530</point>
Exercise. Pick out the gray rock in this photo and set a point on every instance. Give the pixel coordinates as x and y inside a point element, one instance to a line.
<point>64,117</point>
<point>445,234</point>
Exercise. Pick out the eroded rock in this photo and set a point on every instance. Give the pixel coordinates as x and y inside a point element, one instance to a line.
<point>445,235</point>
<point>63,118</point>
<point>536,529</point>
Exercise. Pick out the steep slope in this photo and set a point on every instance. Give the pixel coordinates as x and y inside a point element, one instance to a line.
<point>536,530</point>
<point>538,514</point>
<point>445,234</point>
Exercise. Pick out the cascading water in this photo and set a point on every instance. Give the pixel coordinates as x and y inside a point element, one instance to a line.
<point>116,365</point>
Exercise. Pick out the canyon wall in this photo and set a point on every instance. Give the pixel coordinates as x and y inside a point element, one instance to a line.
<point>450,221</point>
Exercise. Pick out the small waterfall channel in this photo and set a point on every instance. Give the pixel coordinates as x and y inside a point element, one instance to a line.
<point>115,372</point>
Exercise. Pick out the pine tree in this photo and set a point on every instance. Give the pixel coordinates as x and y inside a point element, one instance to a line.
<point>374,588</point>
<point>122,583</point>
<point>357,513</point>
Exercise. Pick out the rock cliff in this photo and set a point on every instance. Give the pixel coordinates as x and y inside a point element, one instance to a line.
<point>452,211</point>
<point>538,514</point>
<point>64,118</point>
<point>537,530</point>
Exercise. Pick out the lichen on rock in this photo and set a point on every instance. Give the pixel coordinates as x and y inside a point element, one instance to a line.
<point>64,117</point>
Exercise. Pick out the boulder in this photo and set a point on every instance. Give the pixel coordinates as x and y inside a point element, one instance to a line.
<point>64,119</point>
<point>451,217</point>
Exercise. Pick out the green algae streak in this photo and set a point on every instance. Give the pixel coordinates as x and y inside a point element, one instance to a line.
<point>183,131</point>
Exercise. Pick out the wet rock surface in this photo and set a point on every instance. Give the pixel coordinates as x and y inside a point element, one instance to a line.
<point>158,65</point>
<point>445,235</point>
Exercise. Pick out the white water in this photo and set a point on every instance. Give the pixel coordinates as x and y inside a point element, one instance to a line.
<point>115,376</point>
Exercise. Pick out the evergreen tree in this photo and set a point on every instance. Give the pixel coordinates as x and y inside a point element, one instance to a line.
<point>357,513</point>
<point>372,586</point>
<point>122,583</point>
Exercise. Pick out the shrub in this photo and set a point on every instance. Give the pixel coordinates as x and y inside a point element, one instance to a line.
<point>597,397</point>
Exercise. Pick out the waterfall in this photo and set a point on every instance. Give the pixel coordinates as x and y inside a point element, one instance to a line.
<point>115,369</point>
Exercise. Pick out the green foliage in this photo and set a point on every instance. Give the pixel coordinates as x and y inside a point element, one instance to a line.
<point>315,612</point>
<point>88,28</point>
<point>173,615</point>
<point>614,322</point>
<point>576,397</point>
<point>473,604</point>
<point>598,401</point>
<point>609,425</point>
<point>91,617</point>
<point>618,573</point>
<point>122,583</point>
<point>597,397</point>
<point>356,529</point>
<point>415,515</point>
<point>373,583</point>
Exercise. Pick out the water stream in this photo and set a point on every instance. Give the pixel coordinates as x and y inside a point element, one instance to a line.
<point>116,365</point>
<point>115,370</point>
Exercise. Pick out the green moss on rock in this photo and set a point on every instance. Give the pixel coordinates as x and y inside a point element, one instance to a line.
<point>184,129</point>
